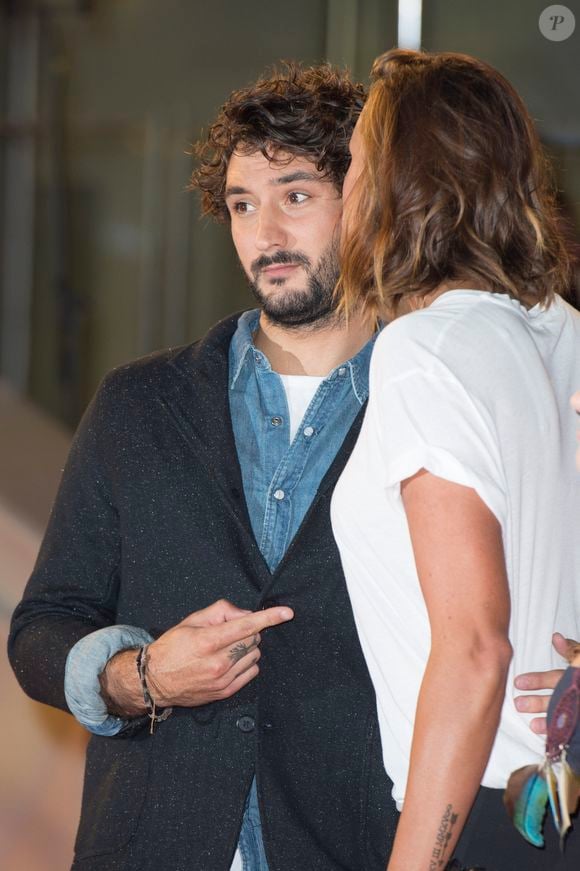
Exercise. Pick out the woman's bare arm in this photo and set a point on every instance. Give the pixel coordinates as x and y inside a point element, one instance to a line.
<point>457,543</point>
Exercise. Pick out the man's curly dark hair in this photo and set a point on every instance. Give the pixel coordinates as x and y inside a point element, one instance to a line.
<point>300,111</point>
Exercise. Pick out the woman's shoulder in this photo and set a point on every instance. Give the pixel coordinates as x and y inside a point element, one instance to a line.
<point>406,344</point>
<point>420,333</point>
<point>452,334</point>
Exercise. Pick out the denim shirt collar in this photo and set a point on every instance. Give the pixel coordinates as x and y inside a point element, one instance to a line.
<point>242,348</point>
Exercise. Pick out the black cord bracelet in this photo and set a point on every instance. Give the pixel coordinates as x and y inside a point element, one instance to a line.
<point>147,697</point>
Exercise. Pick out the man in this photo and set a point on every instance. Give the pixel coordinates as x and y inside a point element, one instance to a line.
<point>194,510</point>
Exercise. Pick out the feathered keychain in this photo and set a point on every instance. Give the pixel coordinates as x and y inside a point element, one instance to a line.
<point>557,780</point>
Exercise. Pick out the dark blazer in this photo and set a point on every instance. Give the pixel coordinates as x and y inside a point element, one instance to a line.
<point>149,525</point>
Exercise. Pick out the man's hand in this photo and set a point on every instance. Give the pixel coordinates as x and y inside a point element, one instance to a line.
<point>575,403</point>
<point>542,680</point>
<point>546,680</point>
<point>210,655</point>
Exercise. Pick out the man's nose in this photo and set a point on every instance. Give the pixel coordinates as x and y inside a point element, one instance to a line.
<point>270,232</point>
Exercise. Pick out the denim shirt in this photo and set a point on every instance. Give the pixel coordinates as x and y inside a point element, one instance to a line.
<point>280,480</point>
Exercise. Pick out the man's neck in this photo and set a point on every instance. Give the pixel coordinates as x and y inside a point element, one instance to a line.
<point>311,350</point>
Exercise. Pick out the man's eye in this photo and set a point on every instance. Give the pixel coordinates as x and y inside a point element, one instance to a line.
<point>295,198</point>
<point>243,208</point>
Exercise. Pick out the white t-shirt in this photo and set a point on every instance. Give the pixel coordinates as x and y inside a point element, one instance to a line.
<point>300,390</point>
<point>474,389</point>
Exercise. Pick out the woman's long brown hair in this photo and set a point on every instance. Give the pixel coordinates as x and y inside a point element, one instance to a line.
<point>455,188</point>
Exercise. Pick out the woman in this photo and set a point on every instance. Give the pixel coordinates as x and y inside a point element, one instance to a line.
<point>457,515</point>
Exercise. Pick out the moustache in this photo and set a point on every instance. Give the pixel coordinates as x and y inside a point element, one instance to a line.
<point>280,258</point>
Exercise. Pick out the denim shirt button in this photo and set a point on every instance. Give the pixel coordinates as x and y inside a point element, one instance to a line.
<point>308,431</point>
<point>276,421</point>
<point>342,371</point>
<point>279,495</point>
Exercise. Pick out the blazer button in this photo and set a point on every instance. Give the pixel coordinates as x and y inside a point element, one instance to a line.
<point>246,724</point>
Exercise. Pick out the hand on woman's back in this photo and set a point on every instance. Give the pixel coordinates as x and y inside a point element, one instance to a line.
<point>575,403</point>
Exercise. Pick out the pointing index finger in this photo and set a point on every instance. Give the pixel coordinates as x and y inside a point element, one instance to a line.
<point>242,627</point>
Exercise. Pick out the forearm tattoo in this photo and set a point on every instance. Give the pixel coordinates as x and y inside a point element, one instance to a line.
<point>440,851</point>
<point>239,651</point>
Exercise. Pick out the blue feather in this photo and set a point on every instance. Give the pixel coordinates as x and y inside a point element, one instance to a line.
<point>530,809</point>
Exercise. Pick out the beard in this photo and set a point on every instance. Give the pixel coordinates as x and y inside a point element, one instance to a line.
<point>313,305</point>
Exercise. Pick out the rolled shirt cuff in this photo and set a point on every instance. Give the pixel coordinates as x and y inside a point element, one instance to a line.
<point>85,662</point>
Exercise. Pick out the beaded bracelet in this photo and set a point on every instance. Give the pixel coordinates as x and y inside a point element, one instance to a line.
<point>147,697</point>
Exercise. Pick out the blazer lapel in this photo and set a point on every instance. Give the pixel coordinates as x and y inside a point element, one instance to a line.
<point>195,401</point>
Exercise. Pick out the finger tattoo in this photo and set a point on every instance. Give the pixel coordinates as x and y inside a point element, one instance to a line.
<point>239,651</point>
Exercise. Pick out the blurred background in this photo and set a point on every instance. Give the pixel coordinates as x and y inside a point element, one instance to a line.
<point>103,256</point>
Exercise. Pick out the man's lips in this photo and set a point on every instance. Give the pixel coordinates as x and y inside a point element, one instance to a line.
<point>277,270</point>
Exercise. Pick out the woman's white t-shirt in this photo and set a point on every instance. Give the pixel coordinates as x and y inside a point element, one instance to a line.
<point>475,389</point>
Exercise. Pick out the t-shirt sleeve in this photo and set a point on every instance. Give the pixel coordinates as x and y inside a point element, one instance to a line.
<point>429,419</point>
